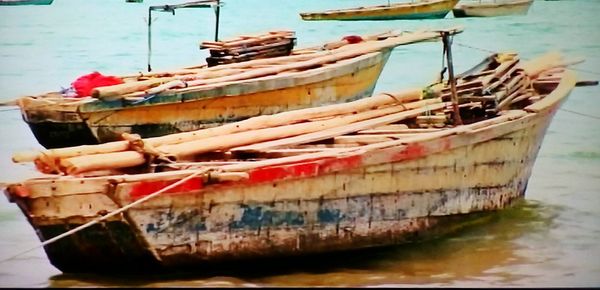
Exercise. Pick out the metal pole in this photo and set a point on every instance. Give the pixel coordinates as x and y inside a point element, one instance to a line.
<point>448,44</point>
<point>217,10</point>
<point>149,37</point>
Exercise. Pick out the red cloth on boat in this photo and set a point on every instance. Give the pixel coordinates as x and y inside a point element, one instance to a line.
<point>353,39</point>
<point>85,84</point>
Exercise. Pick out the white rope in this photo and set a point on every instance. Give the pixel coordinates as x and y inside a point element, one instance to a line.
<point>84,226</point>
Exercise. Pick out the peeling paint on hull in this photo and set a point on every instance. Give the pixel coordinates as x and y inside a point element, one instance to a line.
<point>374,198</point>
<point>374,206</point>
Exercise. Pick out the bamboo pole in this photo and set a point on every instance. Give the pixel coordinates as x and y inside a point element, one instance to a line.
<point>123,159</point>
<point>411,110</point>
<point>258,122</point>
<point>279,64</point>
<point>182,150</point>
<point>78,164</point>
<point>357,50</point>
<point>109,92</point>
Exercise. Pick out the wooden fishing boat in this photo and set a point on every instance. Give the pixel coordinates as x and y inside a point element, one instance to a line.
<point>25,2</point>
<point>492,8</point>
<point>373,172</point>
<point>159,103</point>
<point>420,9</point>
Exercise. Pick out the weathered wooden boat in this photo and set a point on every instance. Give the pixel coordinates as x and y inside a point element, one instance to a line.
<point>420,9</point>
<point>492,8</point>
<point>159,103</point>
<point>25,2</point>
<point>378,171</point>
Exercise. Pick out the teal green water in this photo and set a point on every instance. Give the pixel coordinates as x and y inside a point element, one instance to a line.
<point>551,239</point>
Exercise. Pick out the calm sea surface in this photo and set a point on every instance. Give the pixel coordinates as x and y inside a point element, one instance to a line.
<point>552,238</point>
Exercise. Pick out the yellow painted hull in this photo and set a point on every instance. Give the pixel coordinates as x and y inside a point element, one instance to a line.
<point>99,123</point>
<point>420,10</point>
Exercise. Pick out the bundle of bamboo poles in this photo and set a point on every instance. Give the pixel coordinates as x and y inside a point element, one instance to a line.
<point>206,78</point>
<point>502,80</point>
<point>244,48</point>
<point>133,151</point>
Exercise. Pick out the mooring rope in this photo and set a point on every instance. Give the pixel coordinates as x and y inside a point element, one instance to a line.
<point>581,114</point>
<point>118,211</point>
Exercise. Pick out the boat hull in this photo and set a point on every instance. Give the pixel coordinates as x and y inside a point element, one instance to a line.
<point>388,197</point>
<point>58,135</point>
<point>492,9</point>
<point>433,10</point>
<point>168,114</point>
<point>25,2</point>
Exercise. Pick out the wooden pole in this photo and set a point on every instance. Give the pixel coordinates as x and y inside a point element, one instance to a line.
<point>447,45</point>
<point>149,37</point>
<point>217,12</point>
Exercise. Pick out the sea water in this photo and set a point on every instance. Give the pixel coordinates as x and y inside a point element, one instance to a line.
<point>549,239</point>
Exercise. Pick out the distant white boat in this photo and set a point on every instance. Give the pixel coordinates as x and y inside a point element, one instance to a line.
<point>25,2</point>
<point>492,8</point>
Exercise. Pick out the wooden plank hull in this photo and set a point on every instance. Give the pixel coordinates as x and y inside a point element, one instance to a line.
<point>420,10</point>
<point>492,9</point>
<point>282,185</point>
<point>385,197</point>
<point>346,81</point>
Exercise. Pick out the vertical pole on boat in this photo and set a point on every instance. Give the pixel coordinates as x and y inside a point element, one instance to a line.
<point>448,49</point>
<point>217,12</point>
<point>149,36</point>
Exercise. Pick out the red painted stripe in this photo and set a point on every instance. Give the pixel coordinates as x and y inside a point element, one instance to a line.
<point>145,188</point>
<point>338,164</point>
<point>305,169</point>
<point>284,171</point>
<point>411,151</point>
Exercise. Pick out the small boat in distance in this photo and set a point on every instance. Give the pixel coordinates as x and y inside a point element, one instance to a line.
<point>25,2</point>
<point>419,9</point>
<point>492,8</point>
<point>380,171</point>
